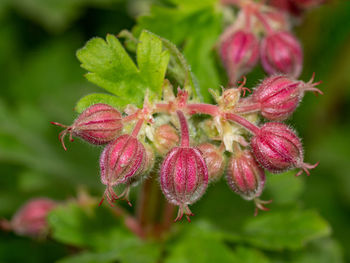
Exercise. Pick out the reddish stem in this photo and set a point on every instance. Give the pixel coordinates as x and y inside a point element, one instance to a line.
<point>247,108</point>
<point>131,117</point>
<point>185,137</point>
<point>202,108</point>
<point>263,21</point>
<point>137,128</point>
<point>243,122</point>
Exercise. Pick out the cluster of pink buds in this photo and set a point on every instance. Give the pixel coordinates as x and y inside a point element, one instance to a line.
<point>231,140</point>
<point>30,219</point>
<point>234,143</point>
<point>263,31</point>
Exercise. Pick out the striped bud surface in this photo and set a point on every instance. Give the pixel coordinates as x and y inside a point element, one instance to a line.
<point>120,162</point>
<point>98,124</point>
<point>281,52</point>
<point>245,176</point>
<point>277,148</point>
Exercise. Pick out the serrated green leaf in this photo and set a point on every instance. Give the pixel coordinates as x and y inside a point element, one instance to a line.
<point>290,229</point>
<point>111,68</point>
<point>94,98</point>
<point>152,60</point>
<point>194,25</point>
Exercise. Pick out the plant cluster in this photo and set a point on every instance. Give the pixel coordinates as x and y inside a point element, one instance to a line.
<point>197,142</point>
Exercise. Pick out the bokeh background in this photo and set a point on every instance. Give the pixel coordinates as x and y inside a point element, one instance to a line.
<point>41,80</point>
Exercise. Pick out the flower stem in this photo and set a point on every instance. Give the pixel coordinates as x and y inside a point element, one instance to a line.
<point>243,122</point>
<point>185,137</point>
<point>137,128</point>
<point>247,108</point>
<point>202,108</point>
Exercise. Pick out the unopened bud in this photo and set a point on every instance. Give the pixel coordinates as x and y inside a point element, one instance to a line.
<point>184,173</point>
<point>279,96</point>
<point>239,53</point>
<point>214,159</point>
<point>281,52</point>
<point>277,148</point>
<point>98,124</point>
<point>245,176</point>
<point>120,162</point>
<point>30,220</point>
<point>165,138</point>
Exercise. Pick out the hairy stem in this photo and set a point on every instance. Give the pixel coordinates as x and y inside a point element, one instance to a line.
<point>185,137</point>
<point>243,122</point>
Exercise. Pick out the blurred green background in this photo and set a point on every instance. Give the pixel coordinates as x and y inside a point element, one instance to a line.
<point>41,81</point>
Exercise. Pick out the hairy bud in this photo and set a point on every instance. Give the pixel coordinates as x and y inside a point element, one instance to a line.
<point>281,52</point>
<point>245,176</point>
<point>165,138</point>
<point>279,96</point>
<point>277,148</point>
<point>98,124</point>
<point>239,53</point>
<point>184,173</point>
<point>30,219</point>
<point>214,159</point>
<point>120,162</point>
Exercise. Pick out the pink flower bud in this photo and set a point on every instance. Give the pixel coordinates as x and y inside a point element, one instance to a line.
<point>30,219</point>
<point>239,53</point>
<point>281,53</point>
<point>165,138</point>
<point>279,96</point>
<point>98,124</point>
<point>214,159</point>
<point>245,176</point>
<point>120,162</point>
<point>277,148</point>
<point>183,174</point>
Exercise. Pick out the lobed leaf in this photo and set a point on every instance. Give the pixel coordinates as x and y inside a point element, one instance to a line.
<point>111,67</point>
<point>195,26</point>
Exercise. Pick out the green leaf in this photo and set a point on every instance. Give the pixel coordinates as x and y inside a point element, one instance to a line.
<point>152,60</point>
<point>199,243</point>
<point>195,26</point>
<point>100,232</point>
<point>290,229</point>
<point>111,68</point>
